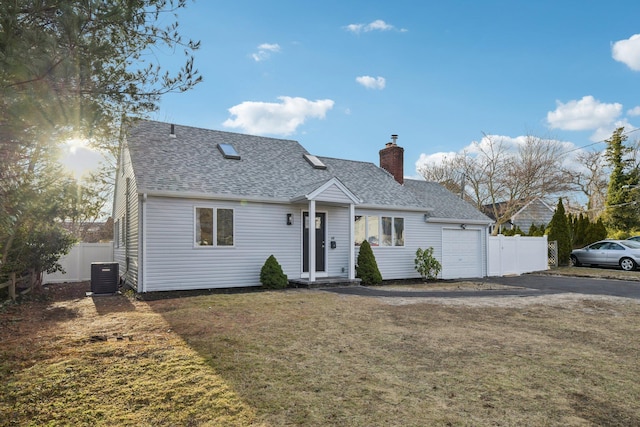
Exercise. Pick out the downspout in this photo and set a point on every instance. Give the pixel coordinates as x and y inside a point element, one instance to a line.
<point>352,238</point>
<point>142,250</point>
<point>127,211</point>
<point>125,238</point>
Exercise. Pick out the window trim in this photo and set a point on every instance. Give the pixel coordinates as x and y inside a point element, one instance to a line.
<point>214,219</point>
<point>379,218</point>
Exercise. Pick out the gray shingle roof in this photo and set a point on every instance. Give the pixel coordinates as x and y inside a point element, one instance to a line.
<point>269,168</point>
<point>445,204</point>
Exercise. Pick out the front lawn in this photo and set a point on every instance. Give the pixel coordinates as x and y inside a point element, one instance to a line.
<point>312,358</point>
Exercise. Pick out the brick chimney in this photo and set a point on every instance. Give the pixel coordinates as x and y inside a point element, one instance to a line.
<point>392,159</point>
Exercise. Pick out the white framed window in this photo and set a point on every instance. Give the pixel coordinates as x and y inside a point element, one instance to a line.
<point>379,230</point>
<point>214,227</point>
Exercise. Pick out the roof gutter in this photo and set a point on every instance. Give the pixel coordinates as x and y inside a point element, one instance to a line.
<point>466,221</point>
<point>260,199</point>
<point>210,196</point>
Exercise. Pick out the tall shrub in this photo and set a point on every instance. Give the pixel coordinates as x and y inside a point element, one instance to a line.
<point>559,231</point>
<point>596,231</point>
<point>367,267</point>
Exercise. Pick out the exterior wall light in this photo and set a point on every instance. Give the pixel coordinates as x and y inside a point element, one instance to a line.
<point>289,219</point>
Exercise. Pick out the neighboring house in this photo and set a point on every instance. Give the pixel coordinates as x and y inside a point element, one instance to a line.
<point>537,212</point>
<point>199,209</point>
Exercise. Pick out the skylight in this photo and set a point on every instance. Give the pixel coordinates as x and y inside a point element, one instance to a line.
<point>228,151</point>
<point>314,161</point>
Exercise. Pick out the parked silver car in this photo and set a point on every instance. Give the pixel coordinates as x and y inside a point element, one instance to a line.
<point>623,253</point>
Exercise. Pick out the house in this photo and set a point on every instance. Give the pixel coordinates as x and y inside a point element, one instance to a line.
<point>536,211</point>
<point>197,208</point>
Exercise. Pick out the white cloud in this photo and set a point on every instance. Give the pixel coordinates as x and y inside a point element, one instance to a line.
<point>377,25</point>
<point>585,114</point>
<point>276,118</point>
<point>264,51</point>
<point>628,52</point>
<point>634,111</point>
<point>434,159</point>
<point>605,132</point>
<point>372,82</point>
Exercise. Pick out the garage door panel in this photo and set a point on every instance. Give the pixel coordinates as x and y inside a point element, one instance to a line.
<point>461,254</point>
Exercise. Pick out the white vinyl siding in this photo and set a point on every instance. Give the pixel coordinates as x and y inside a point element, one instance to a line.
<point>174,263</point>
<point>398,262</point>
<point>126,240</point>
<point>338,221</point>
<point>260,230</point>
<point>333,194</point>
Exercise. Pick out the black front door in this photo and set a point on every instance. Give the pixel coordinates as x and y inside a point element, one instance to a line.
<point>320,232</point>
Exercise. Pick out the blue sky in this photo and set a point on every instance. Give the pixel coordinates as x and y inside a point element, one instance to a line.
<point>341,76</point>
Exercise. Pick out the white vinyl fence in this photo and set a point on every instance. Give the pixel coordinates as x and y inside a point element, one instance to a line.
<point>510,255</point>
<point>77,263</point>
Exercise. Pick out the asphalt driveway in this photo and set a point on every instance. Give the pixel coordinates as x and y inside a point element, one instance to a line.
<point>523,286</point>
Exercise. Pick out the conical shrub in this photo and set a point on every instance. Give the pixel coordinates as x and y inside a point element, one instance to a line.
<point>367,267</point>
<point>271,274</point>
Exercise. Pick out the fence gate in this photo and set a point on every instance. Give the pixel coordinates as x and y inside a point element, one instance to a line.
<point>517,254</point>
<point>553,253</point>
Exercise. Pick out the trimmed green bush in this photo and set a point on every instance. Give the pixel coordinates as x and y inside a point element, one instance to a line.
<point>426,264</point>
<point>271,274</point>
<point>367,267</point>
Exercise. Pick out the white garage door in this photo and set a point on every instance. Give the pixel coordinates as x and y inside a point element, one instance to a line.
<point>461,254</point>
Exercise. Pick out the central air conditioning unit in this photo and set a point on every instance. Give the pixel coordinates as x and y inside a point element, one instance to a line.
<point>104,277</point>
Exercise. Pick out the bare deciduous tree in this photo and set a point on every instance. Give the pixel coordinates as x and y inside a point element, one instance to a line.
<point>503,175</point>
<point>590,178</point>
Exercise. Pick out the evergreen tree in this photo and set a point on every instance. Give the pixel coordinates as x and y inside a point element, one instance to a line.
<point>583,224</point>
<point>559,231</point>
<point>75,69</point>
<point>595,231</point>
<point>621,212</point>
<point>367,267</point>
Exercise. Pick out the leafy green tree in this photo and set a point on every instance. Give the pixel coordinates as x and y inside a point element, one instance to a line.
<point>621,210</point>
<point>559,231</point>
<point>426,264</point>
<point>367,267</point>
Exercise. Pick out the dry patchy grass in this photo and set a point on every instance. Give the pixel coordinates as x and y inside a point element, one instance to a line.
<point>312,358</point>
<point>69,359</point>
